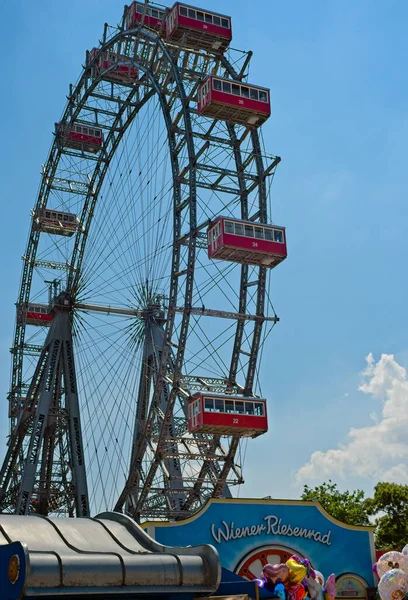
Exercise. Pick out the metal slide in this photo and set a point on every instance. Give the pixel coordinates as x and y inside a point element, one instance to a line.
<point>109,556</point>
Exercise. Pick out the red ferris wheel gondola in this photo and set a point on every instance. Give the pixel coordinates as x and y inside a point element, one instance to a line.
<point>138,13</point>
<point>198,29</point>
<point>111,67</point>
<point>246,242</point>
<point>227,415</point>
<point>233,101</point>
<point>79,136</point>
<point>36,314</point>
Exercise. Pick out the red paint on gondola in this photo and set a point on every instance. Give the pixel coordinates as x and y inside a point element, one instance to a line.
<point>36,316</point>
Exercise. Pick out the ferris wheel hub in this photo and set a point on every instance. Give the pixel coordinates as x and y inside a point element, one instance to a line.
<point>62,302</point>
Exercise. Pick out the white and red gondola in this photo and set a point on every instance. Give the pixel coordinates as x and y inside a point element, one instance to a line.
<point>111,67</point>
<point>246,242</point>
<point>227,415</point>
<point>86,138</point>
<point>232,101</point>
<point>139,13</point>
<point>55,222</point>
<point>36,314</point>
<point>198,29</point>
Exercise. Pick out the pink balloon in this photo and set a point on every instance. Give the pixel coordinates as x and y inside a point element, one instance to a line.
<point>330,590</point>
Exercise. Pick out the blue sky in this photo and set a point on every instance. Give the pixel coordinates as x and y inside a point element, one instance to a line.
<point>338,80</point>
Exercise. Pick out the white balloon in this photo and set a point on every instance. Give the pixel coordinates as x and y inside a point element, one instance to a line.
<point>319,577</point>
<point>392,560</point>
<point>405,550</point>
<point>393,585</point>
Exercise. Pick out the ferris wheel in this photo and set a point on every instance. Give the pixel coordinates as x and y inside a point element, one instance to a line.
<point>144,301</point>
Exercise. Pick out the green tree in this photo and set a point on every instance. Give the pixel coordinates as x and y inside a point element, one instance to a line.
<point>391,501</point>
<point>347,507</point>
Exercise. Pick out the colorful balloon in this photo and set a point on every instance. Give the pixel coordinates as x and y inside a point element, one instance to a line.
<point>296,592</point>
<point>375,571</point>
<point>319,577</point>
<point>405,550</point>
<point>305,562</point>
<point>298,572</point>
<point>392,560</point>
<point>275,573</point>
<point>393,585</point>
<point>279,591</point>
<point>314,588</point>
<point>330,589</point>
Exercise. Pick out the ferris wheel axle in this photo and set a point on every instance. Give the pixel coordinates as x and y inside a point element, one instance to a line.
<point>208,312</point>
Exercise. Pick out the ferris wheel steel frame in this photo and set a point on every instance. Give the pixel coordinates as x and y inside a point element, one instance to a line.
<point>161,64</point>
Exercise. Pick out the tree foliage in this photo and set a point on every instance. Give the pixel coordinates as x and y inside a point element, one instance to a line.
<point>388,509</point>
<point>347,507</point>
<point>390,504</point>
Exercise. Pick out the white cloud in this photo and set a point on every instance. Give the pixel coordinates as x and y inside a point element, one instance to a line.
<point>396,474</point>
<point>379,451</point>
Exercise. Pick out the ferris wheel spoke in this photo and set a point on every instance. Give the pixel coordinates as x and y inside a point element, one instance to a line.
<point>112,427</point>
